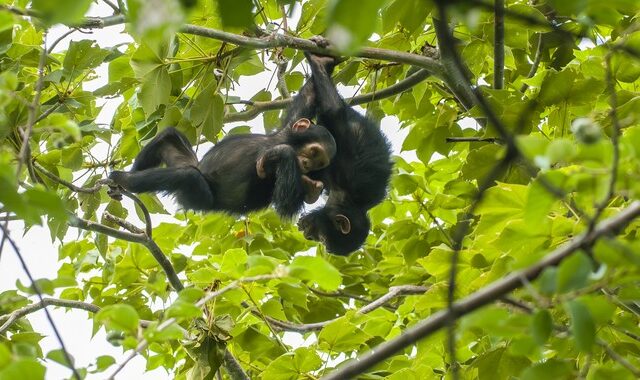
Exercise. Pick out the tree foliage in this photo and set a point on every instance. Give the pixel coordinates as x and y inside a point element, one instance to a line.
<point>504,208</point>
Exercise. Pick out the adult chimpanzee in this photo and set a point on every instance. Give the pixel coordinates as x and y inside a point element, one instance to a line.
<point>358,176</point>
<point>241,173</point>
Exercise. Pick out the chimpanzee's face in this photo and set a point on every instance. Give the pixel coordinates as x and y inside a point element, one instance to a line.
<point>339,233</point>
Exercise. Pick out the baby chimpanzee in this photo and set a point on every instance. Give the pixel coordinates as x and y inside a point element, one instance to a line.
<point>241,173</point>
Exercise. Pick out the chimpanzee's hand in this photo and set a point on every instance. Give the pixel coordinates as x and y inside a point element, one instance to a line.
<point>312,189</point>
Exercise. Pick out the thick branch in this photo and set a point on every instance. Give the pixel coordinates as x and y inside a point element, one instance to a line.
<point>282,40</point>
<point>484,296</point>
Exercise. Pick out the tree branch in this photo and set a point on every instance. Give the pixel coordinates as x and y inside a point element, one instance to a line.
<point>10,319</point>
<point>498,45</point>
<point>258,107</point>
<point>282,40</point>
<point>394,291</point>
<point>536,63</point>
<point>150,244</point>
<point>484,296</point>
<point>36,288</point>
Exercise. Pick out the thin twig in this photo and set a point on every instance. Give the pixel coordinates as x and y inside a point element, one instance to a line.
<point>122,223</point>
<point>495,140</point>
<point>394,291</point>
<point>618,358</point>
<point>498,45</point>
<point>9,319</point>
<point>36,289</point>
<point>25,153</point>
<point>615,134</point>
<point>535,64</point>
<point>59,39</point>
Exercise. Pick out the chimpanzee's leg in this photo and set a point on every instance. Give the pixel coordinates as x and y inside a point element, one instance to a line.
<point>187,183</point>
<point>169,147</point>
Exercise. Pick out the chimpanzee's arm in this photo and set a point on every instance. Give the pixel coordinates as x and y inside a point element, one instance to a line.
<point>304,103</point>
<point>281,161</point>
<point>331,108</point>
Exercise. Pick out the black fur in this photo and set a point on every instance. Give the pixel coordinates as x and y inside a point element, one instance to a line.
<point>358,176</point>
<point>226,178</point>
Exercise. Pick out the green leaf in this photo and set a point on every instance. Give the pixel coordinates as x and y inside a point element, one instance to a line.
<point>341,335</point>
<point>236,13</point>
<point>104,361</point>
<point>82,55</point>
<point>208,358</point>
<point>583,327</point>
<point>171,332</point>
<point>347,32</point>
<point>5,355</point>
<point>234,262</point>
<point>207,113</point>
<point>120,317</point>
<point>316,269</point>
<point>539,202</point>
<point>573,272</point>
<point>293,365</point>
<point>550,369</point>
<point>155,21</point>
<point>182,309</point>
<point>541,326</point>
<point>59,357</point>
<point>61,11</point>
<point>23,369</point>
<point>155,89</point>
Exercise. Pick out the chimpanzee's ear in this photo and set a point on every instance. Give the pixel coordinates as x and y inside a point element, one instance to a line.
<point>301,125</point>
<point>342,223</point>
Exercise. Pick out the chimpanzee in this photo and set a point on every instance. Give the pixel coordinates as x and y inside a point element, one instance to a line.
<point>358,176</point>
<point>241,173</point>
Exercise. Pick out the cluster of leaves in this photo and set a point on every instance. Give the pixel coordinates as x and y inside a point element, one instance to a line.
<point>578,319</point>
